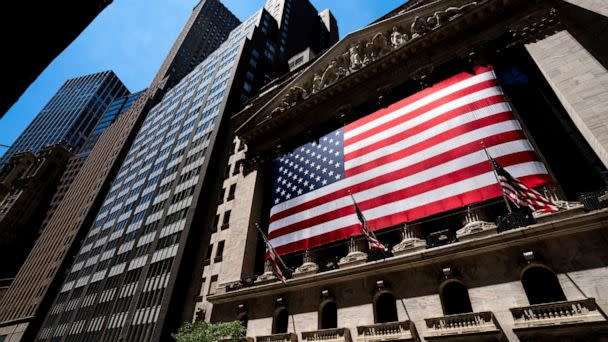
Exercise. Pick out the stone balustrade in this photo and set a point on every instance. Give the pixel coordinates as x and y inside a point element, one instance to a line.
<point>393,331</point>
<point>482,323</point>
<point>327,335</point>
<point>557,313</point>
<point>288,337</point>
<point>243,339</point>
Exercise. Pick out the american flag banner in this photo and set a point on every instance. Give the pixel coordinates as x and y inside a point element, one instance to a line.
<point>416,158</point>
<point>520,194</point>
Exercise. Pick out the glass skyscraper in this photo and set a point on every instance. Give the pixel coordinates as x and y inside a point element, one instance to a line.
<point>71,114</point>
<point>117,285</point>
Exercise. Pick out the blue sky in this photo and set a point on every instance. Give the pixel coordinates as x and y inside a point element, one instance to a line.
<point>132,37</point>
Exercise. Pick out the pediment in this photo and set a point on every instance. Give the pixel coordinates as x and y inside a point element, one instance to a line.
<point>358,50</point>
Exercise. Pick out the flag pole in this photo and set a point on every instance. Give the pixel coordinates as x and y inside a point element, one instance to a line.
<point>269,245</point>
<point>504,197</point>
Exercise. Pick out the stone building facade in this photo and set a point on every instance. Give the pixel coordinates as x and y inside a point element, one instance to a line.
<point>452,277</point>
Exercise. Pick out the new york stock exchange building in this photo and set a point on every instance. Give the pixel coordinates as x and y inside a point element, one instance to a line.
<point>438,175</point>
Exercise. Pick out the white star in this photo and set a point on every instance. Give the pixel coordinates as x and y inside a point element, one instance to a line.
<point>338,176</point>
<point>324,170</point>
<point>318,167</point>
<point>337,143</point>
<point>301,169</point>
<point>318,178</point>
<point>337,132</point>
<point>307,151</point>
<point>318,156</point>
<point>325,148</point>
<point>278,190</point>
<point>313,154</point>
<point>300,191</point>
<point>307,162</point>
<point>311,187</point>
<point>276,201</point>
<point>300,179</point>
<point>338,164</point>
<point>290,174</point>
<point>331,173</point>
<point>331,161</point>
<point>305,183</point>
<point>318,146</point>
<point>288,196</point>
<point>305,172</point>
<point>331,140</point>
<point>324,182</point>
<point>283,193</point>
<point>337,153</point>
<point>279,179</point>
<point>324,159</point>
<point>280,168</point>
<point>324,138</point>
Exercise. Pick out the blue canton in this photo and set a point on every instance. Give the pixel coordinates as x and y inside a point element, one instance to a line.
<point>309,167</point>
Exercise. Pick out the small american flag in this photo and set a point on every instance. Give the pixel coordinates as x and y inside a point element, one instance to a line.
<point>274,258</point>
<point>520,194</point>
<point>372,240</point>
<point>416,158</point>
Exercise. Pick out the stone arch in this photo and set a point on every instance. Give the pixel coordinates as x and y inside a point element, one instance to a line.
<point>541,285</point>
<point>454,297</point>
<point>328,314</point>
<point>280,320</point>
<point>385,307</point>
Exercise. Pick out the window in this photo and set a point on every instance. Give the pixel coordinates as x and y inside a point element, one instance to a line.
<point>385,307</point>
<point>454,297</point>
<point>250,76</point>
<point>541,285</point>
<point>226,220</point>
<point>280,321</point>
<point>328,314</point>
<point>247,87</point>
<point>231,192</point>
<point>219,252</point>
<point>209,254</point>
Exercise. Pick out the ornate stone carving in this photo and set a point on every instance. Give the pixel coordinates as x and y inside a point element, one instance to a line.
<point>398,39</point>
<point>355,255</point>
<point>268,275</point>
<point>450,13</point>
<point>409,243</point>
<point>363,52</point>
<point>419,27</point>
<point>309,266</point>
<point>356,61</point>
<point>474,226</point>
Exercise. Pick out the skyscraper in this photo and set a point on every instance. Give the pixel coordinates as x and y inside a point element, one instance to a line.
<point>71,114</point>
<point>128,279</point>
<point>41,33</point>
<point>31,293</point>
<point>119,106</point>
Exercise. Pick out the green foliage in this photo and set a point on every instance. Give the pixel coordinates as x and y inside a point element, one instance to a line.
<point>207,332</point>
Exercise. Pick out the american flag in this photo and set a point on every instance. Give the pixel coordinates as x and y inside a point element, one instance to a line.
<point>415,158</point>
<point>371,238</point>
<point>520,194</point>
<point>274,258</point>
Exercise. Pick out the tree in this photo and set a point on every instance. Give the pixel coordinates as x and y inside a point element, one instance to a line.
<point>207,332</point>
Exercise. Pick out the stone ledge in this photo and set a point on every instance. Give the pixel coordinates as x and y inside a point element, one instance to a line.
<point>524,235</point>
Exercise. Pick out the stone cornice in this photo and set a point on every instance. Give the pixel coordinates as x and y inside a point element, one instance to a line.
<point>516,237</point>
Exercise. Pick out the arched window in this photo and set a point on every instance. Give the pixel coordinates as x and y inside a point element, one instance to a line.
<point>541,285</point>
<point>385,307</point>
<point>280,321</point>
<point>328,315</point>
<point>454,298</point>
<point>243,318</point>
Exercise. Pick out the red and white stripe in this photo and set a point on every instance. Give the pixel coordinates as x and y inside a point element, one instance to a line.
<point>416,158</point>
